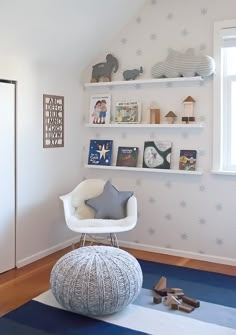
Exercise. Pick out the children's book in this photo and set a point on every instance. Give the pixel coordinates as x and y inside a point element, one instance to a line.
<point>157,154</point>
<point>100,108</point>
<point>100,152</point>
<point>127,156</point>
<point>128,112</point>
<point>187,160</point>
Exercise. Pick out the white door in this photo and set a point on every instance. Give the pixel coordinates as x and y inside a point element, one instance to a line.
<point>7,176</point>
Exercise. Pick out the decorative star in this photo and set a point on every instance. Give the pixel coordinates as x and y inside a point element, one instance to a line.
<point>219,241</point>
<point>168,246</point>
<point>151,231</point>
<point>201,252</point>
<point>151,200</point>
<point>185,135</point>
<point>168,184</point>
<point>219,207</point>
<point>124,135</point>
<point>153,2</point>
<point>103,152</point>
<point>204,11</point>
<point>202,46</point>
<point>138,182</point>
<point>124,40</point>
<point>168,217</point>
<point>138,20</point>
<point>153,36</point>
<point>202,188</point>
<point>184,32</point>
<point>184,236</point>
<point>183,203</point>
<point>170,16</point>
<point>202,221</point>
<point>139,52</point>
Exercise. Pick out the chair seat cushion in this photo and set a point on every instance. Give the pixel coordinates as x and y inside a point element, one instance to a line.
<point>111,204</point>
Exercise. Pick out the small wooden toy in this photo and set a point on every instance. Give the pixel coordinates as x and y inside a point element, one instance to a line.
<point>132,74</point>
<point>157,299</point>
<point>161,284</point>
<point>104,70</point>
<point>182,307</point>
<point>188,110</point>
<point>191,301</point>
<point>171,117</point>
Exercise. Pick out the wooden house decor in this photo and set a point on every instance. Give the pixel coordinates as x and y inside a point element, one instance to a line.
<point>188,110</point>
<point>171,117</point>
<point>53,121</point>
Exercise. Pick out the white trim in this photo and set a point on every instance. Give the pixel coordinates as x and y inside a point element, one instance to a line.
<point>179,253</point>
<point>46,252</point>
<point>224,172</point>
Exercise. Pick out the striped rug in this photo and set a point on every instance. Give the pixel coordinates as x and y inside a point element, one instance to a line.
<point>216,315</point>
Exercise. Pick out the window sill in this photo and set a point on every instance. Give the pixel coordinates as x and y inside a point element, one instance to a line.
<point>224,172</point>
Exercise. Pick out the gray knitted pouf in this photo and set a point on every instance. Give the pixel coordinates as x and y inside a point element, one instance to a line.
<point>96,280</point>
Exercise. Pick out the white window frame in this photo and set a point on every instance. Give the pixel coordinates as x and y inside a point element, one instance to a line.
<point>220,121</point>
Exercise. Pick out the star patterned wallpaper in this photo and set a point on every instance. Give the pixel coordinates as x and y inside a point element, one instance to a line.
<point>177,214</point>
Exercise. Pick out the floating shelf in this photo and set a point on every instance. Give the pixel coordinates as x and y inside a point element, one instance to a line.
<point>145,125</point>
<point>140,169</point>
<point>145,82</point>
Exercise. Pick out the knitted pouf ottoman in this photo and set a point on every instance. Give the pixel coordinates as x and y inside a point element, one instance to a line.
<point>96,280</point>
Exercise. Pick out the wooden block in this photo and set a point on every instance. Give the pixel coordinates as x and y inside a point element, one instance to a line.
<point>191,301</point>
<point>177,290</point>
<point>170,299</point>
<point>164,291</point>
<point>185,308</point>
<point>161,284</point>
<point>157,299</point>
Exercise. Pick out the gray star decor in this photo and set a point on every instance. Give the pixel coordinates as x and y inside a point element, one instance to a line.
<point>170,16</point>
<point>153,36</point>
<point>168,217</point>
<point>183,204</point>
<point>136,241</point>
<point>184,32</point>
<point>168,184</point>
<point>219,241</point>
<point>124,40</point>
<point>204,11</point>
<point>138,182</point>
<point>219,207</point>
<point>203,46</point>
<point>184,236</point>
<point>185,135</point>
<point>168,246</point>
<point>137,86</point>
<point>151,200</point>
<point>201,252</point>
<point>151,231</point>
<point>202,188</point>
<point>138,19</point>
<point>153,2</point>
<point>124,135</point>
<point>139,52</point>
<point>202,221</point>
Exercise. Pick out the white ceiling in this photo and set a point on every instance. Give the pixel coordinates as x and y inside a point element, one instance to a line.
<point>65,32</point>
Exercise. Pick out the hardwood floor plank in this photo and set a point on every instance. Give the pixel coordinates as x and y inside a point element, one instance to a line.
<point>18,286</point>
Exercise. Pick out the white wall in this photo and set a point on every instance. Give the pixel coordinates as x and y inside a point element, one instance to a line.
<point>42,174</point>
<point>181,215</point>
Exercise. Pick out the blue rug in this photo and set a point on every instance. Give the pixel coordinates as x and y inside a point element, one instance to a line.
<point>216,315</point>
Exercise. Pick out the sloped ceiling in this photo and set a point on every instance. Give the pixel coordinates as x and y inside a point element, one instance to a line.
<point>63,32</point>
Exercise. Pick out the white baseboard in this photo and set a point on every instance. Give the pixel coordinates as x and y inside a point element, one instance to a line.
<point>180,253</point>
<point>46,252</point>
<point>144,247</point>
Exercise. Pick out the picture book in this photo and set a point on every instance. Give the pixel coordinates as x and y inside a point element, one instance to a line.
<point>187,160</point>
<point>157,154</point>
<point>127,156</point>
<point>100,108</point>
<point>128,112</point>
<point>100,152</point>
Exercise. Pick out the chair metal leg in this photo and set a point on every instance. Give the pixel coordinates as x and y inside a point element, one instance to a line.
<point>114,241</point>
<point>82,240</point>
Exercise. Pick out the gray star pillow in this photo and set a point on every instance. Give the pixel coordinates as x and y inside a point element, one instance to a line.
<point>111,204</point>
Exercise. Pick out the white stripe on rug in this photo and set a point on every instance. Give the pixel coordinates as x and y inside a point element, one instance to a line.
<point>152,321</point>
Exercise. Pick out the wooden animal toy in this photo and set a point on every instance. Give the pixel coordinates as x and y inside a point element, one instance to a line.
<point>132,74</point>
<point>104,70</point>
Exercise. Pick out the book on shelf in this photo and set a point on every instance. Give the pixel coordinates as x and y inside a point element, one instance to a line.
<point>157,154</point>
<point>128,112</point>
<point>100,152</point>
<point>100,109</point>
<point>187,160</point>
<point>127,156</point>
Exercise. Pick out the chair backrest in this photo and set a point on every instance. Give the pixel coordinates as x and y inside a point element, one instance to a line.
<point>87,189</point>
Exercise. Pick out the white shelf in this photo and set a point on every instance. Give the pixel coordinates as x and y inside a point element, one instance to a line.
<point>140,169</point>
<point>145,125</point>
<point>145,82</point>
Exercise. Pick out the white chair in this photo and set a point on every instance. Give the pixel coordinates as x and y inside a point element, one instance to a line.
<point>80,217</point>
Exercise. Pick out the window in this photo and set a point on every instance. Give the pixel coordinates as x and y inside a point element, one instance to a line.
<point>224,144</point>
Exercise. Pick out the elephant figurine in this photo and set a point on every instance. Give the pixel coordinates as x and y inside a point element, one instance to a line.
<point>132,74</point>
<point>104,70</point>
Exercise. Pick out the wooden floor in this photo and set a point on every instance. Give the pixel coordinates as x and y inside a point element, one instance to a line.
<point>21,285</point>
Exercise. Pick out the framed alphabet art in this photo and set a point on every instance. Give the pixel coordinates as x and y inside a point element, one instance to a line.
<point>53,121</point>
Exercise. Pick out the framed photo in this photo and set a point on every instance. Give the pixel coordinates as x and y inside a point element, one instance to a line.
<point>128,112</point>
<point>100,109</point>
